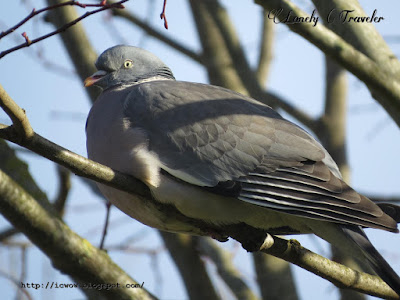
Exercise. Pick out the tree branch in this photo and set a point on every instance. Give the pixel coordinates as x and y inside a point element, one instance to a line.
<point>16,114</point>
<point>69,253</point>
<point>274,277</point>
<point>63,28</point>
<point>35,12</point>
<point>265,56</point>
<point>385,87</point>
<point>15,210</point>
<point>246,74</point>
<point>64,185</point>
<point>129,16</point>
<point>363,36</point>
<point>182,250</point>
<point>76,42</point>
<point>274,100</point>
<point>339,275</point>
<point>225,268</point>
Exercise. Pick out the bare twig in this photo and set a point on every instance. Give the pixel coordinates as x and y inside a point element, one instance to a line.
<point>65,27</point>
<point>35,12</point>
<point>7,233</point>
<point>158,35</point>
<point>17,283</point>
<point>163,16</point>
<point>105,228</point>
<point>64,185</point>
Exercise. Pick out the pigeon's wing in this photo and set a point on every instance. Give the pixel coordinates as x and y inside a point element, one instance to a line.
<point>205,134</point>
<point>225,142</point>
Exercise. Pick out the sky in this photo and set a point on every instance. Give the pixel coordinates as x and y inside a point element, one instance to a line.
<point>57,106</point>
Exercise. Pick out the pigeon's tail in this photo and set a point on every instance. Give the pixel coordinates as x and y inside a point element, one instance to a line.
<point>352,240</point>
<point>377,262</point>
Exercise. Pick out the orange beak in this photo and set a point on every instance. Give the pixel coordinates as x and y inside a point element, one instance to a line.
<point>94,78</point>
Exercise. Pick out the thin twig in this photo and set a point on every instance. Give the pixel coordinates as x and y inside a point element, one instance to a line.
<point>103,236</point>
<point>158,35</point>
<point>65,27</point>
<point>163,16</point>
<point>16,282</point>
<point>35,12</point>
<point>64,186</point>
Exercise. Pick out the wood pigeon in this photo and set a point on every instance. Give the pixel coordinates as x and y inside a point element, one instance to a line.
<point>222,158</point>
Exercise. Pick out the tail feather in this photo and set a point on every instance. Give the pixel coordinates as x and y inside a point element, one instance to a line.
<point>377,262</point>
<point>353,240</point>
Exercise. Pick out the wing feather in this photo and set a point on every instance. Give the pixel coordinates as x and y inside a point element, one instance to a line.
<point>209,136</point>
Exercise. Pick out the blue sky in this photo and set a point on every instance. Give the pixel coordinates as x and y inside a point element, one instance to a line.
<point>297,74</point>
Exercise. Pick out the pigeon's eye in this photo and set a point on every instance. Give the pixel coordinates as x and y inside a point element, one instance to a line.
<point>128,64</point>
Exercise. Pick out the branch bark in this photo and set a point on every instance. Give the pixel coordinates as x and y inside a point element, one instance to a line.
<point>265,55</point>
<point>69,253</point>
<point>16,114</point>
<point>336,273</point>
<point>339,275</point>
<point>362,36</point>
<point>89,169</point>
<point>384,87</point>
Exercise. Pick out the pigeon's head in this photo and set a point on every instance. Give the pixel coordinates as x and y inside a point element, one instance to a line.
<point>125,65</point>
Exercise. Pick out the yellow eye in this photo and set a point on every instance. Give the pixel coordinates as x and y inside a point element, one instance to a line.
<point>128,64</point>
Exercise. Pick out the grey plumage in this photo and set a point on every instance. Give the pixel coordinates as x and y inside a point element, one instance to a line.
<point>221,157</point>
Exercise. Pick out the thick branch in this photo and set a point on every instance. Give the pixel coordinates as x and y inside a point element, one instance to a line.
<point>19,172</point>
<point>217,59</point>
<point>241,232</point>
<point>362,36</point>
<point>16,114</point>
<point>384,86</point>
<point>336,273</point>
<point>69,253</point>
<point>78,164</point>
<point>235,55</point>
<point>265,55</point>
